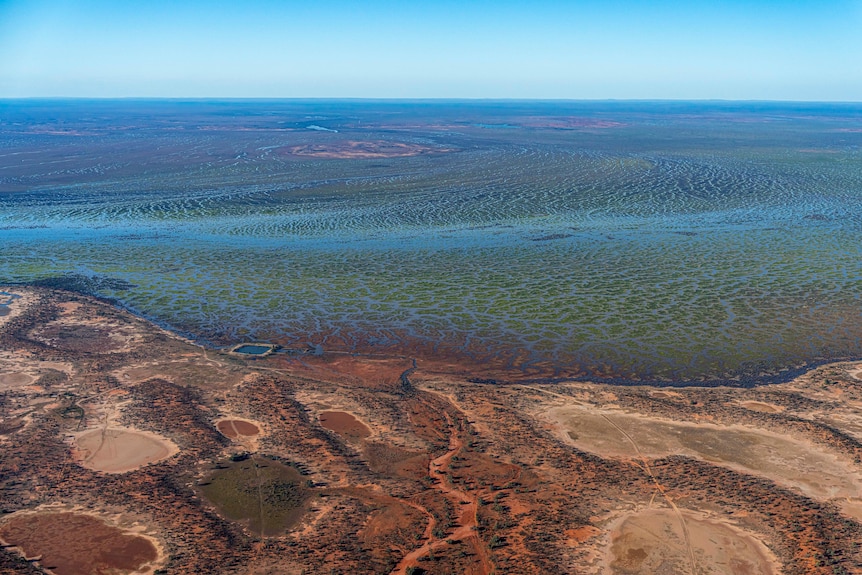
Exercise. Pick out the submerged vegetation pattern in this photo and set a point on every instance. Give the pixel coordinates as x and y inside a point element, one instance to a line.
<point>659,242</point>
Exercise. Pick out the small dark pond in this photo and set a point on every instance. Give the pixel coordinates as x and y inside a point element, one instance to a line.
<point>253,349</point>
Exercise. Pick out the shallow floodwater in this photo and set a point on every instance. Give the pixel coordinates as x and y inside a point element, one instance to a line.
<point>639,241</point>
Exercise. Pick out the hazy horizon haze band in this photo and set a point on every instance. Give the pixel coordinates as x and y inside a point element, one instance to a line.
<point>584,50</point>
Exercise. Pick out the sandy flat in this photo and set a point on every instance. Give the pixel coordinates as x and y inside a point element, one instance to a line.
<point>664,541</point>
<point>15,380</point>
<point>18,370</point>
<point>117,450</point>
<point>784,459</point>
<point>855,372</point>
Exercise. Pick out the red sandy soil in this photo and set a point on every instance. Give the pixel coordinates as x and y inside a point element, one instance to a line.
<point>458,476</point>
<point>464,500</point>
<point>347,369</point>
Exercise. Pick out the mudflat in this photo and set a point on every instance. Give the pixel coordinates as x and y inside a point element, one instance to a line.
<point>70,543</point>
<point>344,424</point>
<point>664,541</point>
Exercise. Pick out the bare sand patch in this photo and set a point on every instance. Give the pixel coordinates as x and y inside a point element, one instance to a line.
<point>63,366</point>
<point>848,421</point>
<point>82,329</point>
<point>69,307</point>
<point>196,369</point>
<point>663,541</point>
<point>855,372</point>
<point>118,450</point>
<point>16,379</point>
<point>665,394</point>
<point>577,536</point>
<point>69,543</point>
<point>234,428</point>
<point>762,407</point>
<point>139,374</point>
<point>344,424</point>
<point>783,459</point>
<point>19,369</point>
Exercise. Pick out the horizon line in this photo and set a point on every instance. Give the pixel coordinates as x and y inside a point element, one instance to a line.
<point>415,99</point>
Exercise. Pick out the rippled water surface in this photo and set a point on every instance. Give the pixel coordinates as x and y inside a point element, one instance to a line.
<point>640,241</point>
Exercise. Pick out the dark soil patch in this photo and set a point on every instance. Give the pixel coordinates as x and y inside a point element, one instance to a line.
<point>79,338</point>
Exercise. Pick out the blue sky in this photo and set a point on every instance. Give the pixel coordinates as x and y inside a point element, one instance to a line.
<point>802,50</point>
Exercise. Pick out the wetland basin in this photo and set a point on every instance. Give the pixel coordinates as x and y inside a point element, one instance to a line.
<point>631,242</point>
<point>262,493</point>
